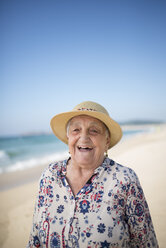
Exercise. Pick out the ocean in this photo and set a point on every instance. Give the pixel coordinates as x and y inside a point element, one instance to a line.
<point>22,152</point>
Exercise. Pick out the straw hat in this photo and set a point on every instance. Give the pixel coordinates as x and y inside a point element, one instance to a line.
<point>59,122</point>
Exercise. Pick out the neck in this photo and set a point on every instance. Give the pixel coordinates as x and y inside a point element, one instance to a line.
<point>83,168</point>
<point>77,176</point>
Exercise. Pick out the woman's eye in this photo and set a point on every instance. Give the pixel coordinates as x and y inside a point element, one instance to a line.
<point>76,130</point>
<point>94,131</point>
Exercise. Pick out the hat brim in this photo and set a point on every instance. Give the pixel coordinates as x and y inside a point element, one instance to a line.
<point>59,124</point>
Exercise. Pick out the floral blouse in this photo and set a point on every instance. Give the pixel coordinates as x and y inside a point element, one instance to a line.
<point>109,211</point>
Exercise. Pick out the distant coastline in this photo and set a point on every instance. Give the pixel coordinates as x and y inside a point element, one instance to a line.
<point>35,149</point>
<point>141,122</point>
<point>130,124</point>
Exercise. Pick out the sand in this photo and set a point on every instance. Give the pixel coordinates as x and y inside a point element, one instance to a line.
<point>145,153</point>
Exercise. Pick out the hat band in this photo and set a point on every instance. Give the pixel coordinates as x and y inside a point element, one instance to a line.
<point>87,109</point>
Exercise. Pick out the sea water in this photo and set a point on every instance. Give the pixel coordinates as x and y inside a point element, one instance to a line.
<point>21,152</point>
<point>18,153</point>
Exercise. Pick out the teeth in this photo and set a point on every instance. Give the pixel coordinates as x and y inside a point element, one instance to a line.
<point>87,148</point>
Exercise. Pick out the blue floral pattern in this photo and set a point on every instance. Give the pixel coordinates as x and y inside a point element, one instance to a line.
<point>84,206</point>
<point>60,209</point>
<point>109,211</point>
<point>101,228</point>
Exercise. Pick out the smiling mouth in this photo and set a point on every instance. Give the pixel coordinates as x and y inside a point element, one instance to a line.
<point>81,148</point>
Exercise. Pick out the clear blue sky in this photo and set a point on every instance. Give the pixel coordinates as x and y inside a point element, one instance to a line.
<point>56,53</point>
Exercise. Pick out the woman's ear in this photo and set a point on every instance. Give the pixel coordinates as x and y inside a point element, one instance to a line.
<point>108,142</point>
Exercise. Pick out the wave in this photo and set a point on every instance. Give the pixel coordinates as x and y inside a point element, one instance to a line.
<point>3,156</point>
<point>33,162</point>
<point>19,154</point>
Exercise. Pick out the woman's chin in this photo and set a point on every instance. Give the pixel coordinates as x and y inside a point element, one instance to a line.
<point>84,159</point>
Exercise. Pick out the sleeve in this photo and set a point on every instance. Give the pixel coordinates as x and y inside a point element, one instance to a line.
<point>138,217</point>
<point>41,204</point>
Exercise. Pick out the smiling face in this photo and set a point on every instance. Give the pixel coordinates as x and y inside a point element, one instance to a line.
<point>87,140</point>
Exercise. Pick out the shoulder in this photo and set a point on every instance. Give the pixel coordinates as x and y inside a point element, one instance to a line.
<point>54,169</point>
<point>122,172</point>
<point>51,175</point>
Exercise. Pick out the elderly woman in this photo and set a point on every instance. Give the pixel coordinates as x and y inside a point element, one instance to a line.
<point>89,200</point>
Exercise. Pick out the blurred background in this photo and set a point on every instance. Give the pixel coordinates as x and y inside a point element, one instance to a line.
<point>57,53</point>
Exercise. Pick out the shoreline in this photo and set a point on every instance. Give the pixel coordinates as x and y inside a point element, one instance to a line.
<point>20,177</point>
<point>12,158</point>
<point>144,153</point>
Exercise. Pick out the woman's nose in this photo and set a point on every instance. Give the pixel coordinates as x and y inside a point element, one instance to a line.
<point>84,135</point>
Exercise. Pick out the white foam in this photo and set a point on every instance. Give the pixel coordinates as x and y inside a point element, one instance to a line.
<point>3,154</point>
<point>21,165</point>
<point>4,158</point>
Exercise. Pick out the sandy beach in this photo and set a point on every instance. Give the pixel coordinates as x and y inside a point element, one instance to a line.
<point>145,153</point>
